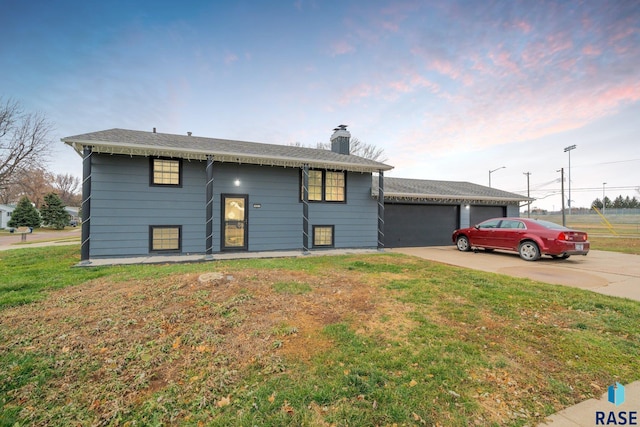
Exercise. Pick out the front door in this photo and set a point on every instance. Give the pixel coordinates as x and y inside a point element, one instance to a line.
<point>234,222</point>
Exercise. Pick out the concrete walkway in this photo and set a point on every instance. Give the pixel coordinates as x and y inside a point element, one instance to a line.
<point>587,413</point>
<point>159,259</point>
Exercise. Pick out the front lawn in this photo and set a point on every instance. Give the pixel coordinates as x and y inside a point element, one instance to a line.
<point>376,339</point>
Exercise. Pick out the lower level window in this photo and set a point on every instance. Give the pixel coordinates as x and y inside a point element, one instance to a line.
<point>165,238</point>
<point>323,236</point>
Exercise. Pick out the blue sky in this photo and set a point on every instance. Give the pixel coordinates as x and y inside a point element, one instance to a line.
<point>450,89</point>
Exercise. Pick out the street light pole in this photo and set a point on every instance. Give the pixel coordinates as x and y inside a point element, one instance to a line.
<point>568,150</point>
<point>603,204</point>
<point>564,219</point>
<point>492,171</point>
<point>528,195</point>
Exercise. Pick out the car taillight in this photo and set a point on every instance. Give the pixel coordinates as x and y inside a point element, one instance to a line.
<point>563,236</point>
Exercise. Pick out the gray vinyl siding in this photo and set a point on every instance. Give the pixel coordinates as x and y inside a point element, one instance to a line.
<point>124,205</point>
<point>356,222</point>
<point>277,223</point>
<point>513,210</point>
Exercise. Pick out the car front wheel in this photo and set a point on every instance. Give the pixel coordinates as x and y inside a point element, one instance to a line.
<point>462,243</point>
<point>529,251</point>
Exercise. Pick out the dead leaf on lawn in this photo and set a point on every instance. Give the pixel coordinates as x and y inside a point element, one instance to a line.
<point>225,401</point>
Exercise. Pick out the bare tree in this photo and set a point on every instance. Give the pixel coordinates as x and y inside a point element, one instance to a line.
<point>67,187</point>
<point>34,183</point>
<point>356,148</point>
<point>24,140</point>
<point>368,151</point>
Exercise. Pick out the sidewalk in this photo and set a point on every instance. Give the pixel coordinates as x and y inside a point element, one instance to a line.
<point>586,413</point>
<point>158,259</point>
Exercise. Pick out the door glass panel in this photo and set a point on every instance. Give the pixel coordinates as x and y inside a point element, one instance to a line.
<point>234,222</point>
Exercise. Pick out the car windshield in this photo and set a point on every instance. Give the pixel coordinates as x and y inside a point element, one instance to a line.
<point>551,225</point>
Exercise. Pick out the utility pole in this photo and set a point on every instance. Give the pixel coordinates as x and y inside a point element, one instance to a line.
<point>528,195</point>
<point>564,220</point>
<point>568,150</point>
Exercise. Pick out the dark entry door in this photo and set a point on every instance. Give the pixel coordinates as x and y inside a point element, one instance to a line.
<point>234,222</point>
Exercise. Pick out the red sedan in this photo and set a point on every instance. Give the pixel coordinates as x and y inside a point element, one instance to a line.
<point>531,238</point>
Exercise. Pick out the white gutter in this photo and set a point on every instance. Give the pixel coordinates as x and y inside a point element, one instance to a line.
<point>224,156</point>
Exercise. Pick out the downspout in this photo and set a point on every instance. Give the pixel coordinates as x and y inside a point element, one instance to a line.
<point>305,209</point>
<point>86,205</point>
<point>209,208</point>
<point>380,210</point>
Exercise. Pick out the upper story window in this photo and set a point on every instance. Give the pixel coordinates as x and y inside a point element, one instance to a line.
<point>166,172</point>
<point>326,186</point>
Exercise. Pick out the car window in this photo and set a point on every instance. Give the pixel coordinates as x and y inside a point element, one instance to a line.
<point>510,223</point>
<point>492,223</point>
<point>551,225</point>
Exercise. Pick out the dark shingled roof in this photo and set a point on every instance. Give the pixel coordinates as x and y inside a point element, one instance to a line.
<point>438,191</point>
<point>139,143</point>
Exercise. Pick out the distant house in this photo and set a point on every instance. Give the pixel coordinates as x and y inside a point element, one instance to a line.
<point>147,193</point>
<point>5,215</point>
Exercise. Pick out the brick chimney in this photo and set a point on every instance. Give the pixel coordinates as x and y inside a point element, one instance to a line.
<point>340,140</point>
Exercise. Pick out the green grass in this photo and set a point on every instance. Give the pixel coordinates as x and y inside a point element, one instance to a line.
<point>621,234</point>
<point>26,273</point>
<point>376,339</point>
<point>294,288</point>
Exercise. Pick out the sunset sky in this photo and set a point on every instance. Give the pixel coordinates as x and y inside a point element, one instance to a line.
<point>450,89</point>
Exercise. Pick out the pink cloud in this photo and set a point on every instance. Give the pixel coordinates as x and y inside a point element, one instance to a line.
<point>354,93</point>
<point>591,50</point>
<point>341,47</point>
<point>411,84</point>
<point>542,53</point>
<point>503,60</point>
<point>523,26</point>
<point>230,58</point>
<point>445,68</point>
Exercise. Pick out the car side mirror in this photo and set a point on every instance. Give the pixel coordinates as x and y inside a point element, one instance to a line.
<point>476,227</point>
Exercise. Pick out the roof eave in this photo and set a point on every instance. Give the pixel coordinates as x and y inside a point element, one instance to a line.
<point>232,157</point>
<point>425,196</point>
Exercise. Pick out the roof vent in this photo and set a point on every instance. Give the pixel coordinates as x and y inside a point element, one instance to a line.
<point>154,130</point>
<point>188,133</point>
<point>340,140</point>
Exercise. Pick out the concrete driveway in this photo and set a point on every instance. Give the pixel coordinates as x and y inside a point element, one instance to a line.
<point>39,238</point>
<point>608,273</point>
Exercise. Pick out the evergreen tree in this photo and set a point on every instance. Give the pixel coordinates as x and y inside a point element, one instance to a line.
<point>25,215</point>
<point>597,203</point>
<point>53,213</point>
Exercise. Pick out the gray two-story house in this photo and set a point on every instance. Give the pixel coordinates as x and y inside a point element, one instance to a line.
<point>153,193</point>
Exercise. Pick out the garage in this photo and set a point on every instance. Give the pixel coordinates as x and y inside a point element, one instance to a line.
<point>479,213</point>
<point>408,225</point>
<point>420,212</point>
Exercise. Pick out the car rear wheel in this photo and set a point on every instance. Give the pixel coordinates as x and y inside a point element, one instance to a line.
<point>529,251</point>
<point>462,243</point>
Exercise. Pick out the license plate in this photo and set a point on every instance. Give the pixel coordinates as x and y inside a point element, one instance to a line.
<point>579,246</point>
